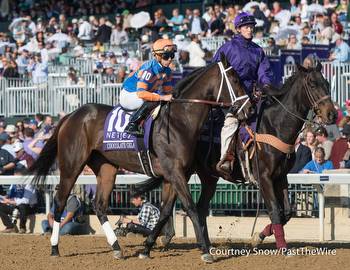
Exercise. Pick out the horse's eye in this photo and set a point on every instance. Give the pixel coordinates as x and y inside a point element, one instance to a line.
<point>313,83</point>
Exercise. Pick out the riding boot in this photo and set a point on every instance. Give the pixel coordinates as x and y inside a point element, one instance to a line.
<point>225,165</point>
<point>134,127</point>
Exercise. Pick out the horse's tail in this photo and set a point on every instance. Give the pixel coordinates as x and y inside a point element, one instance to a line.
<point>41,167</point>
<point>146,186</point>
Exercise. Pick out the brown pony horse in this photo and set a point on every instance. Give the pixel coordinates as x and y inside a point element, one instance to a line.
<point>304,91</point>
<point>77,141</point>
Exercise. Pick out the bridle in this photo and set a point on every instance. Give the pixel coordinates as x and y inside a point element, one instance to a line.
<point>233,96</point>
<point>313,101</point>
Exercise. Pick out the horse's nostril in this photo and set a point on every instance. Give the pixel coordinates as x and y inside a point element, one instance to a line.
<point>332,116</point>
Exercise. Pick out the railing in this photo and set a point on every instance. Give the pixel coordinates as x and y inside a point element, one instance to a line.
<point>21,97</point>
<point>337,74</point>
<point>229,199</point>
<point>212,43</point>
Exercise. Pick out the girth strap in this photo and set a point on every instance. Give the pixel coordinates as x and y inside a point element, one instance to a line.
<point>269,139</point>
<point>275,142</point>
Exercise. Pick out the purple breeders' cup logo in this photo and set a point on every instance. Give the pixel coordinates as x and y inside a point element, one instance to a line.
<point>119,119</point>
<point>114,136</point>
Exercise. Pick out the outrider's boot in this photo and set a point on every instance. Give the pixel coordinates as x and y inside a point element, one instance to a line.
<point>134,127</point>
<point>225,165</point>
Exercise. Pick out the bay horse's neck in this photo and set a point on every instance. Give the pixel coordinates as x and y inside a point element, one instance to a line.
<point>195,114</point>
<point>203,86</point>
<point>277,121</point>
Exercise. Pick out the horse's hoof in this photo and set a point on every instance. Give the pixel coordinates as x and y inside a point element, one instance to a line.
<point>144,256</point>
<point>54,251</point>
<point>164,249</point>
<point>207,258</point>
<point>56,255</point>
<point>163,240</point>
<point>118,254</point>
<point>256,240</point>
<point>131,235</point>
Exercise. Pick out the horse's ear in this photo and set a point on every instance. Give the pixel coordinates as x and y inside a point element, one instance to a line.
<point>301,68</point>
<point>318,66</point>
<point>223,60</point>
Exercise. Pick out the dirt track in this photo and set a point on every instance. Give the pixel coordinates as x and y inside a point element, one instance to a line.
<point>31,252</point>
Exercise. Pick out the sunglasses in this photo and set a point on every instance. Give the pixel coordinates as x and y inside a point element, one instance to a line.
<point>168,55</point>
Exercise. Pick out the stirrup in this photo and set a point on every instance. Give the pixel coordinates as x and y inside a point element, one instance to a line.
<point>225,166</point>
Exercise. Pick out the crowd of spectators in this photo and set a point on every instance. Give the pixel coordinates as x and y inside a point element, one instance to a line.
<point>325,148</point>
<point>22,143</point>
<point>42,32</point>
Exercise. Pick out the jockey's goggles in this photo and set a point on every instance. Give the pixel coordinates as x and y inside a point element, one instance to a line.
<point>167,55</point>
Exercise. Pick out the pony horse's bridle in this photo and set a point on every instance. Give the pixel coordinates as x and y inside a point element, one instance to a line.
<point>234,98</point>
<point>313,101</point>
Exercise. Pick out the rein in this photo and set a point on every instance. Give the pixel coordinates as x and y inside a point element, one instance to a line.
<point>217,103</point>
<point>202,101</point>
<point>312,99</point>
<point>314,103</point>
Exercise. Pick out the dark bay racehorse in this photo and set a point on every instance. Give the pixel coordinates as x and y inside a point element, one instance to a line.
<point>77,141</point>
<point>304,91</point>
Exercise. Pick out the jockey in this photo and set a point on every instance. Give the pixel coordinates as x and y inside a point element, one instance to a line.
<point>150,83</point>
<point>252,66</point>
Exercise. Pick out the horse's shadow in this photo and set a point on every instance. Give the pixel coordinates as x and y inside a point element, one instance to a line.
<point>86,253</point>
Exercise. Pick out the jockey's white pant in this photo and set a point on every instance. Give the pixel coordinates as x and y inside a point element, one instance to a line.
<point>130,100</point>
<point>227,132</point>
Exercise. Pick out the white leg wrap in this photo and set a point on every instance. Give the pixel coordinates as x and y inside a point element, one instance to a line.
<point>227,132</point>
<point>111,237</point>
<point>55,233</point>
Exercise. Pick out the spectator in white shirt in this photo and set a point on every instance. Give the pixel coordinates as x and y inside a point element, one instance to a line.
<point>31,25</point>
<point>196,53</point>
<point>293,43</point>
<point>85,30</point>
<point>39,70</point>
<point>43,52</point>
<point>341,51</point>
<point>197,24</point>
<point>119,36</point>
<point>23,61</point>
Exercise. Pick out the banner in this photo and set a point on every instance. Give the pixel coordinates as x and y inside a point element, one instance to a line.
<point>290,57</point>
<point>321,51</point>
<point>277,69</point>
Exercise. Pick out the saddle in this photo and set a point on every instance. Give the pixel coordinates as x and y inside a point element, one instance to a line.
<point>249,143</point>
<point>115,139</point>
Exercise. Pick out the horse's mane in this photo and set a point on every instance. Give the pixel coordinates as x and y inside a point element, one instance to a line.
<point>280,91</point>
<point>186,83</point>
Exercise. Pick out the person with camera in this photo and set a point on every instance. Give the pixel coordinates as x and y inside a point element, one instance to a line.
<point>20,200</point>
<point>146,219</point>
<point>70,218</point>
